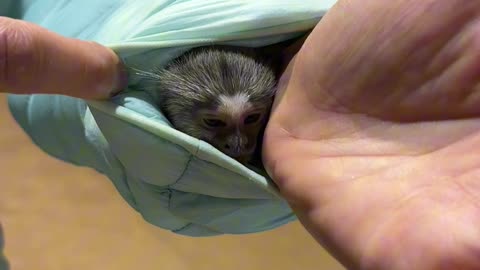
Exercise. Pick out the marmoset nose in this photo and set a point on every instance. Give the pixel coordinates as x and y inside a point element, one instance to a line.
<point>235,144</point>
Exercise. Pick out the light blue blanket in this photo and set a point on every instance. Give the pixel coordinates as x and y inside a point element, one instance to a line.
<point>174,181</point>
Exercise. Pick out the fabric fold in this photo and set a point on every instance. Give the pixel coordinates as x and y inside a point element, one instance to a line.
<point>174,181</point>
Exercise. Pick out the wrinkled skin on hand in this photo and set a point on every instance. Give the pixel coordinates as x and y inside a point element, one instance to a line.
<point>373,138</point>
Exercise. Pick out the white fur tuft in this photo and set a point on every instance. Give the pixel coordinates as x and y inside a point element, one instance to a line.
<point>235,105</point>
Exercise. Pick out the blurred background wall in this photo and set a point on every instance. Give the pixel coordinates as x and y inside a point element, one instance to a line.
<point>56,217</point>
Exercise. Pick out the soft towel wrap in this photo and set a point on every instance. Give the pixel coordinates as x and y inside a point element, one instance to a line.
<point>174,181</point>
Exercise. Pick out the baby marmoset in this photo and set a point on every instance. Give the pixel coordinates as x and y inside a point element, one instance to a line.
<point>221,95</point>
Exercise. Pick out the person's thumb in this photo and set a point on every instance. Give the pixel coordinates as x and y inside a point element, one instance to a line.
<point>36,60</point>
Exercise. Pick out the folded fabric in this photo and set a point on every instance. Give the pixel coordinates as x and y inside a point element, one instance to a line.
<point>174,181</point>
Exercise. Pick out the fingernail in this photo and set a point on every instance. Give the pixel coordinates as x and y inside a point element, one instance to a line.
<point>121,79</point>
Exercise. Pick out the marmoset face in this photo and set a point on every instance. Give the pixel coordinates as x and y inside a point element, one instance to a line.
<point>220,96</point>
<point>233,124</point>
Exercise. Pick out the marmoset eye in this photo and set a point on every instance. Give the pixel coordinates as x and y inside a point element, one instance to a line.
<point>252,119</point>
<point>214,122</point>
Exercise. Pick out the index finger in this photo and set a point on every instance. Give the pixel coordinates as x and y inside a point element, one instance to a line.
<point>36,60</point>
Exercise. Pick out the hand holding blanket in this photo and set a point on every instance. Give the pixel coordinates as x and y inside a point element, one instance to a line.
<point>376,181</point>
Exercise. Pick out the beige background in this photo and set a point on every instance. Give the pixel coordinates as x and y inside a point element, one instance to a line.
<point>57,216</point>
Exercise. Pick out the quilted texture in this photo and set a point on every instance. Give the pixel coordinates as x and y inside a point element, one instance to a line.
<point>174,181</point>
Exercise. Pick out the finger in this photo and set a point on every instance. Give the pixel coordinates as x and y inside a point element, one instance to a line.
<point>36,60</point>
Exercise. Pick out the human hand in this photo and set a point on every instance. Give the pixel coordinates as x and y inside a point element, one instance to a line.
<point>373,138</point>
<point>35,60</point>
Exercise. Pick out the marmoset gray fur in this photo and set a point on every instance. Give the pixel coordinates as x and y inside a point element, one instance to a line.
<point>221,95</point>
